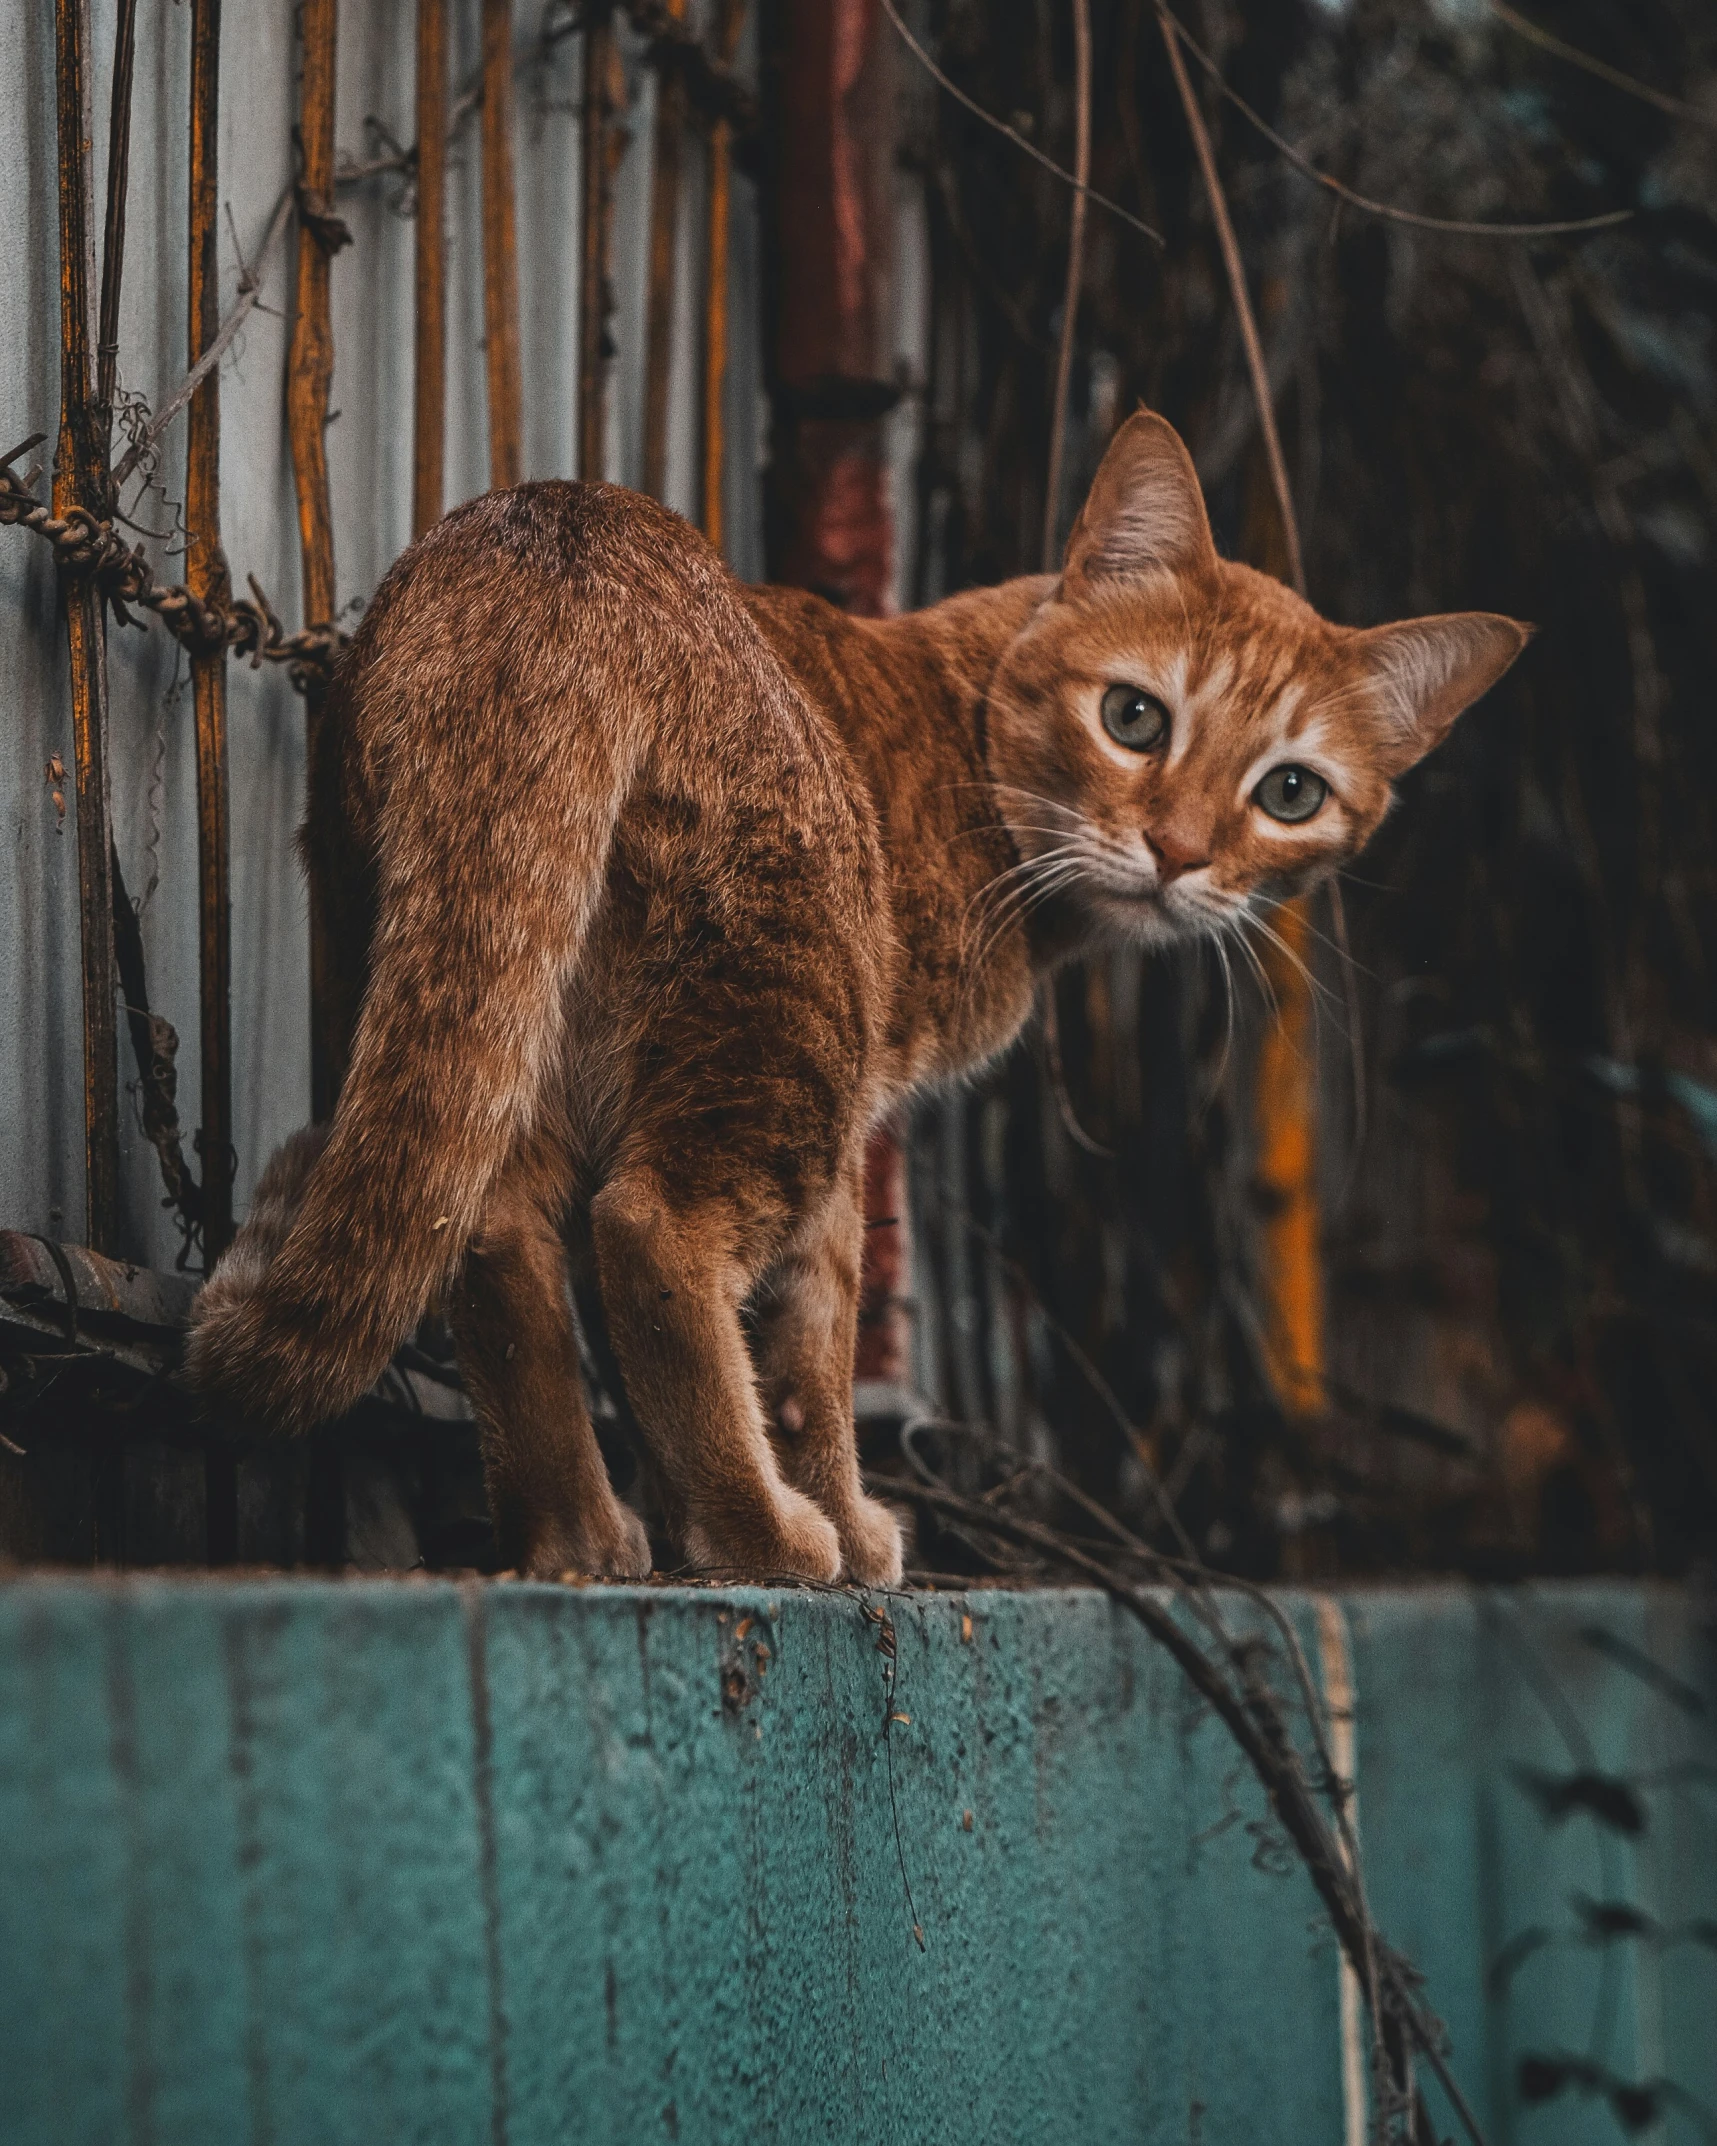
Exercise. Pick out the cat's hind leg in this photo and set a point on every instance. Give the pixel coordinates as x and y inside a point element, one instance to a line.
<point>673,1280</point>
<point>553,1505</point>
<point>807,1326</point>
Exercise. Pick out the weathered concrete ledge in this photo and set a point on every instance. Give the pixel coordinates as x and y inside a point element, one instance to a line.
<point>287,1860</point>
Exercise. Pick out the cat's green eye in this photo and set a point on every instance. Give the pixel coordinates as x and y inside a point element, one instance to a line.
<point>1290,793</point>
<point>1135,718</point>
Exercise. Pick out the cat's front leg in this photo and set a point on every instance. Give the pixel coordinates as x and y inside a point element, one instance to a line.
<point>807,1326</point>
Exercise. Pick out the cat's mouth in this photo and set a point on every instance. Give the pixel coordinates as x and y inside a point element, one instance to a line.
<point>1148,911</point>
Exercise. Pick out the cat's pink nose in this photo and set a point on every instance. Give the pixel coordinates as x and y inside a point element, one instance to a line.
<point>1173,857</point>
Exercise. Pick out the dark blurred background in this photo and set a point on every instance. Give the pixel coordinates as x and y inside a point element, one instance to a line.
<point>1511,1084</point>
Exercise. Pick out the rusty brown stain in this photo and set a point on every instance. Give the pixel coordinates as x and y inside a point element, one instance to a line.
<point>310,364</point>
<point>429,405</point>
<point>80,478</point>
<point>310,369</point>
<point>500,249</point>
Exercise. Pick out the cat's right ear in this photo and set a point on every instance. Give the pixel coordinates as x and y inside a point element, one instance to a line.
<point>1428,670</point>
<point>1144,513</point>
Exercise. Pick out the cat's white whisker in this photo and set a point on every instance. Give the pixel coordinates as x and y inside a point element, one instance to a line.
<point>1228,1024</point>
<point>1265,980</point>
<point>1315,984</point>
<point>1010,895</point>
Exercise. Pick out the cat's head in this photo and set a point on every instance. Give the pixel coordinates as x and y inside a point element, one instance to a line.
<point>1175,739</point>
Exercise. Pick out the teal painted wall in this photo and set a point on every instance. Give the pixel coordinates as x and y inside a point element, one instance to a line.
<point>289,1861</point>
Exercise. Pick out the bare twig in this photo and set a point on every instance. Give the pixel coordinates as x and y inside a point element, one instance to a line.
<point>1058,1081</point>
<point>1355,1027</point>
<point>1454,226</point>
<point>1242,302</point>
<point>155,1043</point>
<point>1019,141</point>
<point>249,292</point>
<point>1677,107</point>
<point>1075,278</point>
<point>118,176</point>
<point>888,1646</point>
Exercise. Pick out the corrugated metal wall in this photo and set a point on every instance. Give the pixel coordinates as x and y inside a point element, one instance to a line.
<point>152,746</point>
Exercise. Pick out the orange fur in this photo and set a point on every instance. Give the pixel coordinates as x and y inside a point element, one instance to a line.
<point>655,892</point>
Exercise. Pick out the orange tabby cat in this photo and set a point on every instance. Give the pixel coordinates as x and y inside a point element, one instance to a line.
<point>655,892</point>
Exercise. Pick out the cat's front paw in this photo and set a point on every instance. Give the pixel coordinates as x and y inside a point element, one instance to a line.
<point>872,1553</point>
<point>786,1539</point>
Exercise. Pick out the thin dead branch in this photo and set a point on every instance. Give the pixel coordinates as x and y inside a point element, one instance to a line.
<point>1067,178</point>
<point>118,179</point>
<point>1236,269</point>
<point>250,286</point>
<point>1075,280</point>
<point>1454,226</point>
<point>1630,85</point>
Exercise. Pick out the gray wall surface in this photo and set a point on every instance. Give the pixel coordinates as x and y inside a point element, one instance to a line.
<point>152,747</point>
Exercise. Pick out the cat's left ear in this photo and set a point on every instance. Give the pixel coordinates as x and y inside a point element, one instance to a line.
<point>1428,670</point>
<point>1144,513</point>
